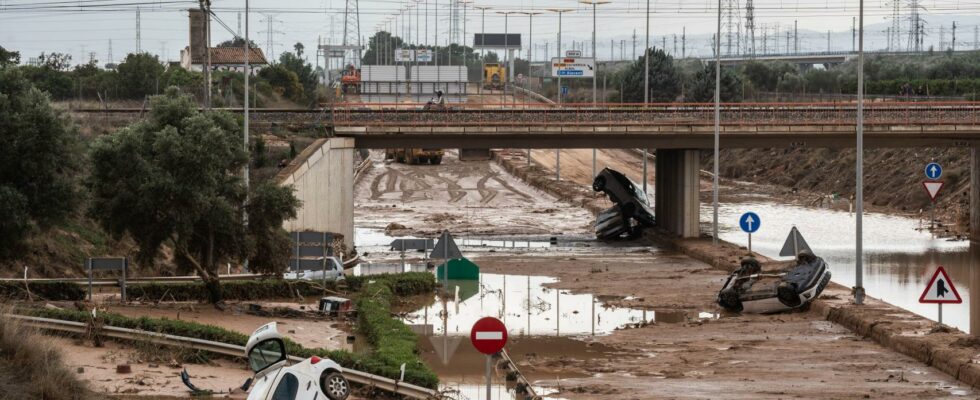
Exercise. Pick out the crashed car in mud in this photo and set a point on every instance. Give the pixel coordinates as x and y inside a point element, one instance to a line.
<point>749,290</point>
<point>630,212</point>
<point>313,378</point>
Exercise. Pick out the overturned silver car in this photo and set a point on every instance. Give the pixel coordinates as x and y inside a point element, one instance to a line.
<point>630,212</point>
<point>749,290</point>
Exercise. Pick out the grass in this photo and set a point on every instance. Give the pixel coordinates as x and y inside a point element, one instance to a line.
<point>31,367</point>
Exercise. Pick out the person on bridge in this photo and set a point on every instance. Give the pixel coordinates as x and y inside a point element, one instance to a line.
<point>437,103</point>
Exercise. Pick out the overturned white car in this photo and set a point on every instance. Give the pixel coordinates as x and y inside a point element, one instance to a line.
<point>313,378</point>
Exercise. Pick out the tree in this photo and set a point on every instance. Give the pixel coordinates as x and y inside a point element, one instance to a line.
<point>174,179</point>
<point>55,61</point>
<point>38,160</point>
<point>303,70</point>
<point>269,205</point>
<point>284,81</point>
<point>703,86</point>
<point>139,75</point>
<point>664,79</point>
<point>238,42</point>
<point>8,57</point>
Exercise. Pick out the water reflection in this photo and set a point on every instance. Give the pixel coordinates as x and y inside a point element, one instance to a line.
<point>899,259</point>
<point>527,307</point>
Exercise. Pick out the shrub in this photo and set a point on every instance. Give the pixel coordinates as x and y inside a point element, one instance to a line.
<point>404,284</point>
<point>231,290</point>
<point>51,290</point>
<point>394,343</point>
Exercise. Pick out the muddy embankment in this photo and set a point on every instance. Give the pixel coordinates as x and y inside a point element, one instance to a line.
<point>948,350</point>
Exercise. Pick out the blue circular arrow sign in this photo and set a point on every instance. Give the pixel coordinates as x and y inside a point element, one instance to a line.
<point>749,222</point>
<point>934,170</point>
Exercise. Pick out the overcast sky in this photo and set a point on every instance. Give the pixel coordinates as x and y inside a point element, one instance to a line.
<point>79,27</point>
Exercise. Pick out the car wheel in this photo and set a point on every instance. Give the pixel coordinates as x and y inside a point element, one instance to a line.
<point>599,183</point>
<point>335,386</point>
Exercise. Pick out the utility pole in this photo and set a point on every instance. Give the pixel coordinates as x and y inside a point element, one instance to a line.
<point>828,41</point>
<point>674,53</point>
<point>684,42</point>
<point>853,35</point>
<point>954,35</point>
<point>717,144</point>
<point>139,41</point>
<point>796,37</point>
<point>976,37</point>
<point>634,45</point>
<point>859,169</point>
<point>248,71</point>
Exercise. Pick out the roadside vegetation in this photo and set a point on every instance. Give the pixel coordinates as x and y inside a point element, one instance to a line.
<point>392,341</point>
<point>31,366</point>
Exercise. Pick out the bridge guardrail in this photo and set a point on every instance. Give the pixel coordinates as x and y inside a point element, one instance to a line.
<point>671,114</point>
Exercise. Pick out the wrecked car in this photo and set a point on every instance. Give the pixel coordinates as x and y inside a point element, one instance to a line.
<point>313,378</point>
<point>630,212</point>
<point>750,290</point>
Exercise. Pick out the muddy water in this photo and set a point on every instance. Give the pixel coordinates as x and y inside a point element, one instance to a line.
<point>899,257</point>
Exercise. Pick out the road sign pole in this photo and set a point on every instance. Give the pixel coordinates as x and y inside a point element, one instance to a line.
<point>796,243</point>
<point>750,243</point>
<point>940,314</point>
<point>489,361</point>
<point>859,168</point>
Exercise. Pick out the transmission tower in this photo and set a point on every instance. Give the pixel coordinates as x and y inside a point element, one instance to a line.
<point>895,36</point>
<point>109,56</point>
<point>270,35</point>
<point>139,44</point>
<point>352,31</point>
<point>749,28</point>
<point>916,26</point>
<point>732,29</point>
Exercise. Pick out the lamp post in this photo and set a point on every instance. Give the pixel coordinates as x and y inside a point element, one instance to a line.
<point>507,60</point>
<point>248,71</point>
<point>859,168</point>
<point>483,51</point>
<point>646,89</point>
<point>559,11</point>
<point>714,182</point>
<point>530,54</point>
<point>595,60</point>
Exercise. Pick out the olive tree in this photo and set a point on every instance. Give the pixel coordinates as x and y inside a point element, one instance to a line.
<point>175,180</point>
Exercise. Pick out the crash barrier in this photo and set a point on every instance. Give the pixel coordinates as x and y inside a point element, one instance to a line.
<point>528,389</point>
<point>363,378</point>
<point>663,114</point>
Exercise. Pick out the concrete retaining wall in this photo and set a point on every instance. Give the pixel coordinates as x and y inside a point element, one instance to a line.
<point>323,176</point>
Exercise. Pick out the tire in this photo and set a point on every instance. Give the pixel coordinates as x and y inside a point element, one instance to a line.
<point>436,160</point>
<point>599,184</point>
<point>730,300</point>
<point>335,386</point>
<point>788,295</point>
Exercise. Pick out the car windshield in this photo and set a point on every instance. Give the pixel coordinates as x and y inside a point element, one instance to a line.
<point>265,354</point>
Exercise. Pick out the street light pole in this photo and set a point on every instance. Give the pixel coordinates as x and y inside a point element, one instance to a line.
<point>859,168</point>
<point>714,182</point>
<point>595,73</point>
<point>248,71</point>
<point>560,11</point>
<point>646,89</point>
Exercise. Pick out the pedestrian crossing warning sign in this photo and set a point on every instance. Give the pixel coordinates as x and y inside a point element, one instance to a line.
<point>940,290</point>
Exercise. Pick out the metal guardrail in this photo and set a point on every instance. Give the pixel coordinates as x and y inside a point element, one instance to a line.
<point>359,377</point>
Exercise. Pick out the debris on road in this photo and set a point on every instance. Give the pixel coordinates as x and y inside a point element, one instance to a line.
<point>630,212</point>
<point>750,290</point>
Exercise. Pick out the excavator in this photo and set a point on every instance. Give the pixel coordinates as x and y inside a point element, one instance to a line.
<point>350,80</point>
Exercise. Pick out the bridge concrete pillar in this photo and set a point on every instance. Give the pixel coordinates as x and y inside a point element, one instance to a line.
<point>677,206</point>
<point>323,178</point>
<point>974,195</point>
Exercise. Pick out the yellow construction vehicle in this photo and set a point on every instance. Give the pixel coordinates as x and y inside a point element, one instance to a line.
<point>494,76</point>
<point>415,156</point>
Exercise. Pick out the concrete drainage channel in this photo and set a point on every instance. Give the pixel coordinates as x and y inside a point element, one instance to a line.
<point>362,378</point>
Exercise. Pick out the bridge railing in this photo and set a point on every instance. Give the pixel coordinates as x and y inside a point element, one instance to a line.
<point>639,114</point>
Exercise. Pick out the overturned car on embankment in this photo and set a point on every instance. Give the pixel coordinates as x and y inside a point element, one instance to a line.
<point>630,212</point>
<point>749,290</point>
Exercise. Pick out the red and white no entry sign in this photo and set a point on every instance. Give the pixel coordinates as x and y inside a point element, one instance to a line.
<point>489,335</point>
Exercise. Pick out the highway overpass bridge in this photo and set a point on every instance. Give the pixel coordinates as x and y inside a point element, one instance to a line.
<point>679,132</point>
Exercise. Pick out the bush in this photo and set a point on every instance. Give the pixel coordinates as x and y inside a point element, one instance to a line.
<point>32,367</point>
<point>231,290</point>
<point>394,343</point>
<point>53,290</point>
<point>404,284</point>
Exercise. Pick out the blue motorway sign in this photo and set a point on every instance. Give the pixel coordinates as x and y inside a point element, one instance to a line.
<point>934,170</point>
<point>570,72</point>
<point>749,222</point>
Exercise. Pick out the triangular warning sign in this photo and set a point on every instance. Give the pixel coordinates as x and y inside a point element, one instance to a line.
<point>446,248</point>
<point>940,290</point>
<point>933,188</point>
<point>445,347</point>
<point>794,244</point>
